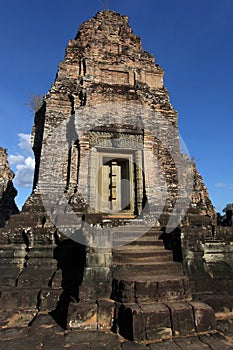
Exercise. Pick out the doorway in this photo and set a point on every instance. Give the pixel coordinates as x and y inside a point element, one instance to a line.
<point>115,183</point>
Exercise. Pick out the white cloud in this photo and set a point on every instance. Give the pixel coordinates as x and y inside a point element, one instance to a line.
<point>224,185</point>
<point>25,144</point>
<point>15,159</point>
<point>24,173</point>
<point>23,163</point>
<point>220,184</point>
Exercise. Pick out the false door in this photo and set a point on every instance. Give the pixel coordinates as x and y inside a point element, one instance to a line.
<point>115,182</point>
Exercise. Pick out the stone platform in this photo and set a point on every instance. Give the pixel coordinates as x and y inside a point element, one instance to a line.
<point>44,334</point>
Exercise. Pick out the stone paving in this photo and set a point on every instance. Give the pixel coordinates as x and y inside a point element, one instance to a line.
<point>45,334</point>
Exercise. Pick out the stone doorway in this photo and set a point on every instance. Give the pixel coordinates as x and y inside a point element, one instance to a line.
<point>115,183</point>
<point>115,173</point>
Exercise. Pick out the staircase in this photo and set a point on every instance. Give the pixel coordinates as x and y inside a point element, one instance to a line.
<point>150,296</point>
<point>152,293</point>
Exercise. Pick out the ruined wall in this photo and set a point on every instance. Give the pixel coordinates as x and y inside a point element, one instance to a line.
<point>7,190</point>
<point>200,197</point>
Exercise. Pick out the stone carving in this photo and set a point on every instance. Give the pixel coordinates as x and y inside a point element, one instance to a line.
<point>114,77</point>
<point>116,140</point>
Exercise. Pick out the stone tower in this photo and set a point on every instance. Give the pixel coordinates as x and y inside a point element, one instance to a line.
<point>118,211</point>
<point>107,135</point>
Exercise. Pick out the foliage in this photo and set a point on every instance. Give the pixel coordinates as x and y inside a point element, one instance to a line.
<point>229,206</point>
<point>35,102</point>
<point>220,217</point>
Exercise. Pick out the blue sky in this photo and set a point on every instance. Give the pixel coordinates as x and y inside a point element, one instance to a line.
<point>191,40</point>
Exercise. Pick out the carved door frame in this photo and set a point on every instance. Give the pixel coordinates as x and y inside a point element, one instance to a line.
<point>107,206</point>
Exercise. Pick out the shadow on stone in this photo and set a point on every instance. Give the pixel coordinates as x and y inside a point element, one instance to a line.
<point>125,322</point>
<point>172,241</point>
<point>7,203</point>
<point>71,259</point>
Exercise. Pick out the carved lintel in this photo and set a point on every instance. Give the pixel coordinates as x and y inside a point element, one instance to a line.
<point>116,140</point>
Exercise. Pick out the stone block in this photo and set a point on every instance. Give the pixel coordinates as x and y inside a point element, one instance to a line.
<point>96,260</point>
<point>53,342</point>
<point>202,284</point>
<point>97,283</point>
<point>133,346</point>
<point>17,318</point>
<point>8,275</point>
<point>216,267</point>
<point>105,314</point>
<point>41,253</point>
<point>223,284</point>
<point>83,346</point>
<point>204,317</point>
<point>33,276</point>
<point>171,289</point>
<point>191,343</point>
<point>90,338</point>
<point>216,342</point>
<point>144,321</point>
<point>19,298</point>
<point>82,316</point>
<point>146,290</point>
<point>165,345</point>
<point>56,280</point>
<point>123,290</point>
<point>219,302</point>
<point>44,321</point>
<point>126,291</point>
<point>157,320</point>
<point>13,333</point>
<point>108,259</point>
<point>225,325</point>
<point>130,321</point>
<point>22,344</point>
<point>182,318</point>
<point>49,299</point>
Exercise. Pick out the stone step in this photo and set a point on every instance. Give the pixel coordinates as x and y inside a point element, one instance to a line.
<point>149,238</point>
<point>142,288</point>
<point>132,238</point>
<point>122,240</point>
<point>154,232</point>
<point>29,219</point>
<point>14,322</point>
<point>36,276</point>
<point>136,231</point>
<point>158,268</point>
<point>148,321</point>
<point>141,321</point>
<point>142,255</point>
<point>9,274</point>
<point>18,298</point>
<point>144,240</point>
<point>91,315</point>
<point>138,247</point>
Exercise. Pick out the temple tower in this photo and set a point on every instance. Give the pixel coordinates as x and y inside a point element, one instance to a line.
<point>118,145</point>
<point>119,217</point>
